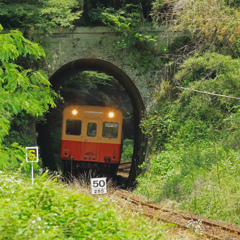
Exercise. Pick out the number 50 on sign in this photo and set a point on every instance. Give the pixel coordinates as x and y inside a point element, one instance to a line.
<point>99,185</point>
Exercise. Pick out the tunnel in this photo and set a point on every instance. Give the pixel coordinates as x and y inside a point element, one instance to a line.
<point>92,64</point>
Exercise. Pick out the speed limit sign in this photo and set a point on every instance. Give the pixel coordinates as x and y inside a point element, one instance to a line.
<point>99,185</point>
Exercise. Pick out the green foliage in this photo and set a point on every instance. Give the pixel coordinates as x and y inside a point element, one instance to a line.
<point>218,202</point>
<point>62,13</point>
<point>233,3</point>
<point>193,114</point>
<point>48,210</point>
<point>158,128</point>
<point>21,89</point>
<point>44,210</point>
<point>189,174</point>
<point>93,9</point>
<point>215,28</point>
<point>197,135</point>
<point>94,14</point>
<point>213,73</point>
<point>127,152</point>
<point>40,14</point>
<point>160,11</point>
<point>212,27</point>
<point>20,129</point>
<point>123,19</point>
<point>140,43</point>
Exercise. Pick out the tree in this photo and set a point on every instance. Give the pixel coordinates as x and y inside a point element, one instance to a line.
<point>39,14</point>
<point>139,43</point>
<point>21,90</point>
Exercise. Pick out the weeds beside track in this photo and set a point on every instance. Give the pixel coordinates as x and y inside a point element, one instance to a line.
<point>202,226</point>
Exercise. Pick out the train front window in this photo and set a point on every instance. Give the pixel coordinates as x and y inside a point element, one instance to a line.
<point>110,130</point>
<point>73,127</point>
<point>91,129</point>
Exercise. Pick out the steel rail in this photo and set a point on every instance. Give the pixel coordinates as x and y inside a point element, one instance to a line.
<point>208,227</point>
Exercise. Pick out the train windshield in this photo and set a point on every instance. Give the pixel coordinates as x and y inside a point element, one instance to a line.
<point>73,127</point>
<point>110,130</point>
<point>91,129</point>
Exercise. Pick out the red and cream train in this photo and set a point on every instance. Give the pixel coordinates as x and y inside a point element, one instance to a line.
<point>91,138</point>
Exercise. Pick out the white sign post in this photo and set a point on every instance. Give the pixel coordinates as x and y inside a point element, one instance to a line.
<point>32,156</point>
<point>99,185</point>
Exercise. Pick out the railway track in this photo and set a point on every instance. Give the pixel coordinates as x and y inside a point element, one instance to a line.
<point>125,166</point>
<point>202,226</point>
<point>124,169</point>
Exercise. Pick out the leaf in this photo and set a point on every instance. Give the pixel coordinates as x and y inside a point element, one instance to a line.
<point>20,89</point>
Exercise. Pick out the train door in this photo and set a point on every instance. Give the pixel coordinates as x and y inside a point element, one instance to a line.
<point>71,139</point>
<point>90,145</point>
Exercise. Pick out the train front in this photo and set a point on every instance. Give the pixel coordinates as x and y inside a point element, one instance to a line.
<point>91,138</point>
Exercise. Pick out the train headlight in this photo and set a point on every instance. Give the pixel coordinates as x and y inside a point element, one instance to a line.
<point>111,114</point>
<point>74,112</point>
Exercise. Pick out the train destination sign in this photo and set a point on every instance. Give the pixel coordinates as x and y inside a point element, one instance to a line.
<point>99,185</point>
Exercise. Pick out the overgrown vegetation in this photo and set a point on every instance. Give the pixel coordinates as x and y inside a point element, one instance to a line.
<point>129,18</point>
<point>22,91</point>
<point>139,41</point>
<point>39,14</point>
<point>194,146</point>
<point>49,210</point>
<point>127,151</point>
<point>194,149</point>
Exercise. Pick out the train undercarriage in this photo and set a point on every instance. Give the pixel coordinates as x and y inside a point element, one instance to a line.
<point>75,168</point>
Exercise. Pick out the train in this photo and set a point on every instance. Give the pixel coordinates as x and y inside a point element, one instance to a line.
<point>91,139</point>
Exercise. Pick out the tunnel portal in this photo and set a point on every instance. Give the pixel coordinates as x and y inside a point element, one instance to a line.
<point>92,64</point>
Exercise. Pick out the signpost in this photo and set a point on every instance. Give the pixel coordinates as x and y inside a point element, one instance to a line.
<point>99,185</point>
<point>32,156</point>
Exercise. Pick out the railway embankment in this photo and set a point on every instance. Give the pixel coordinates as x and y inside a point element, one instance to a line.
<point>51,209</point>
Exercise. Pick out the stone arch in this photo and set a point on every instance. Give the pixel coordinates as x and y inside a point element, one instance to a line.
<point>93,64</point>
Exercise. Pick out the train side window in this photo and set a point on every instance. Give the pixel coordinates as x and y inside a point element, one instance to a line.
<point>73,127</point>
<point>91,129</point>
<point>110,130</point>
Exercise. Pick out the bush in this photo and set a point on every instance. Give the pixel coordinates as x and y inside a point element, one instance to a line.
<point>49,210</point>
<point>194,141</point>
<point>202,177</point>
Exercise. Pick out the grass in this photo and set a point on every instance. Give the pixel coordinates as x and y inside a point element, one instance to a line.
<point>52,210</point>
<point>196,179</point>
<point>135,222</point>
